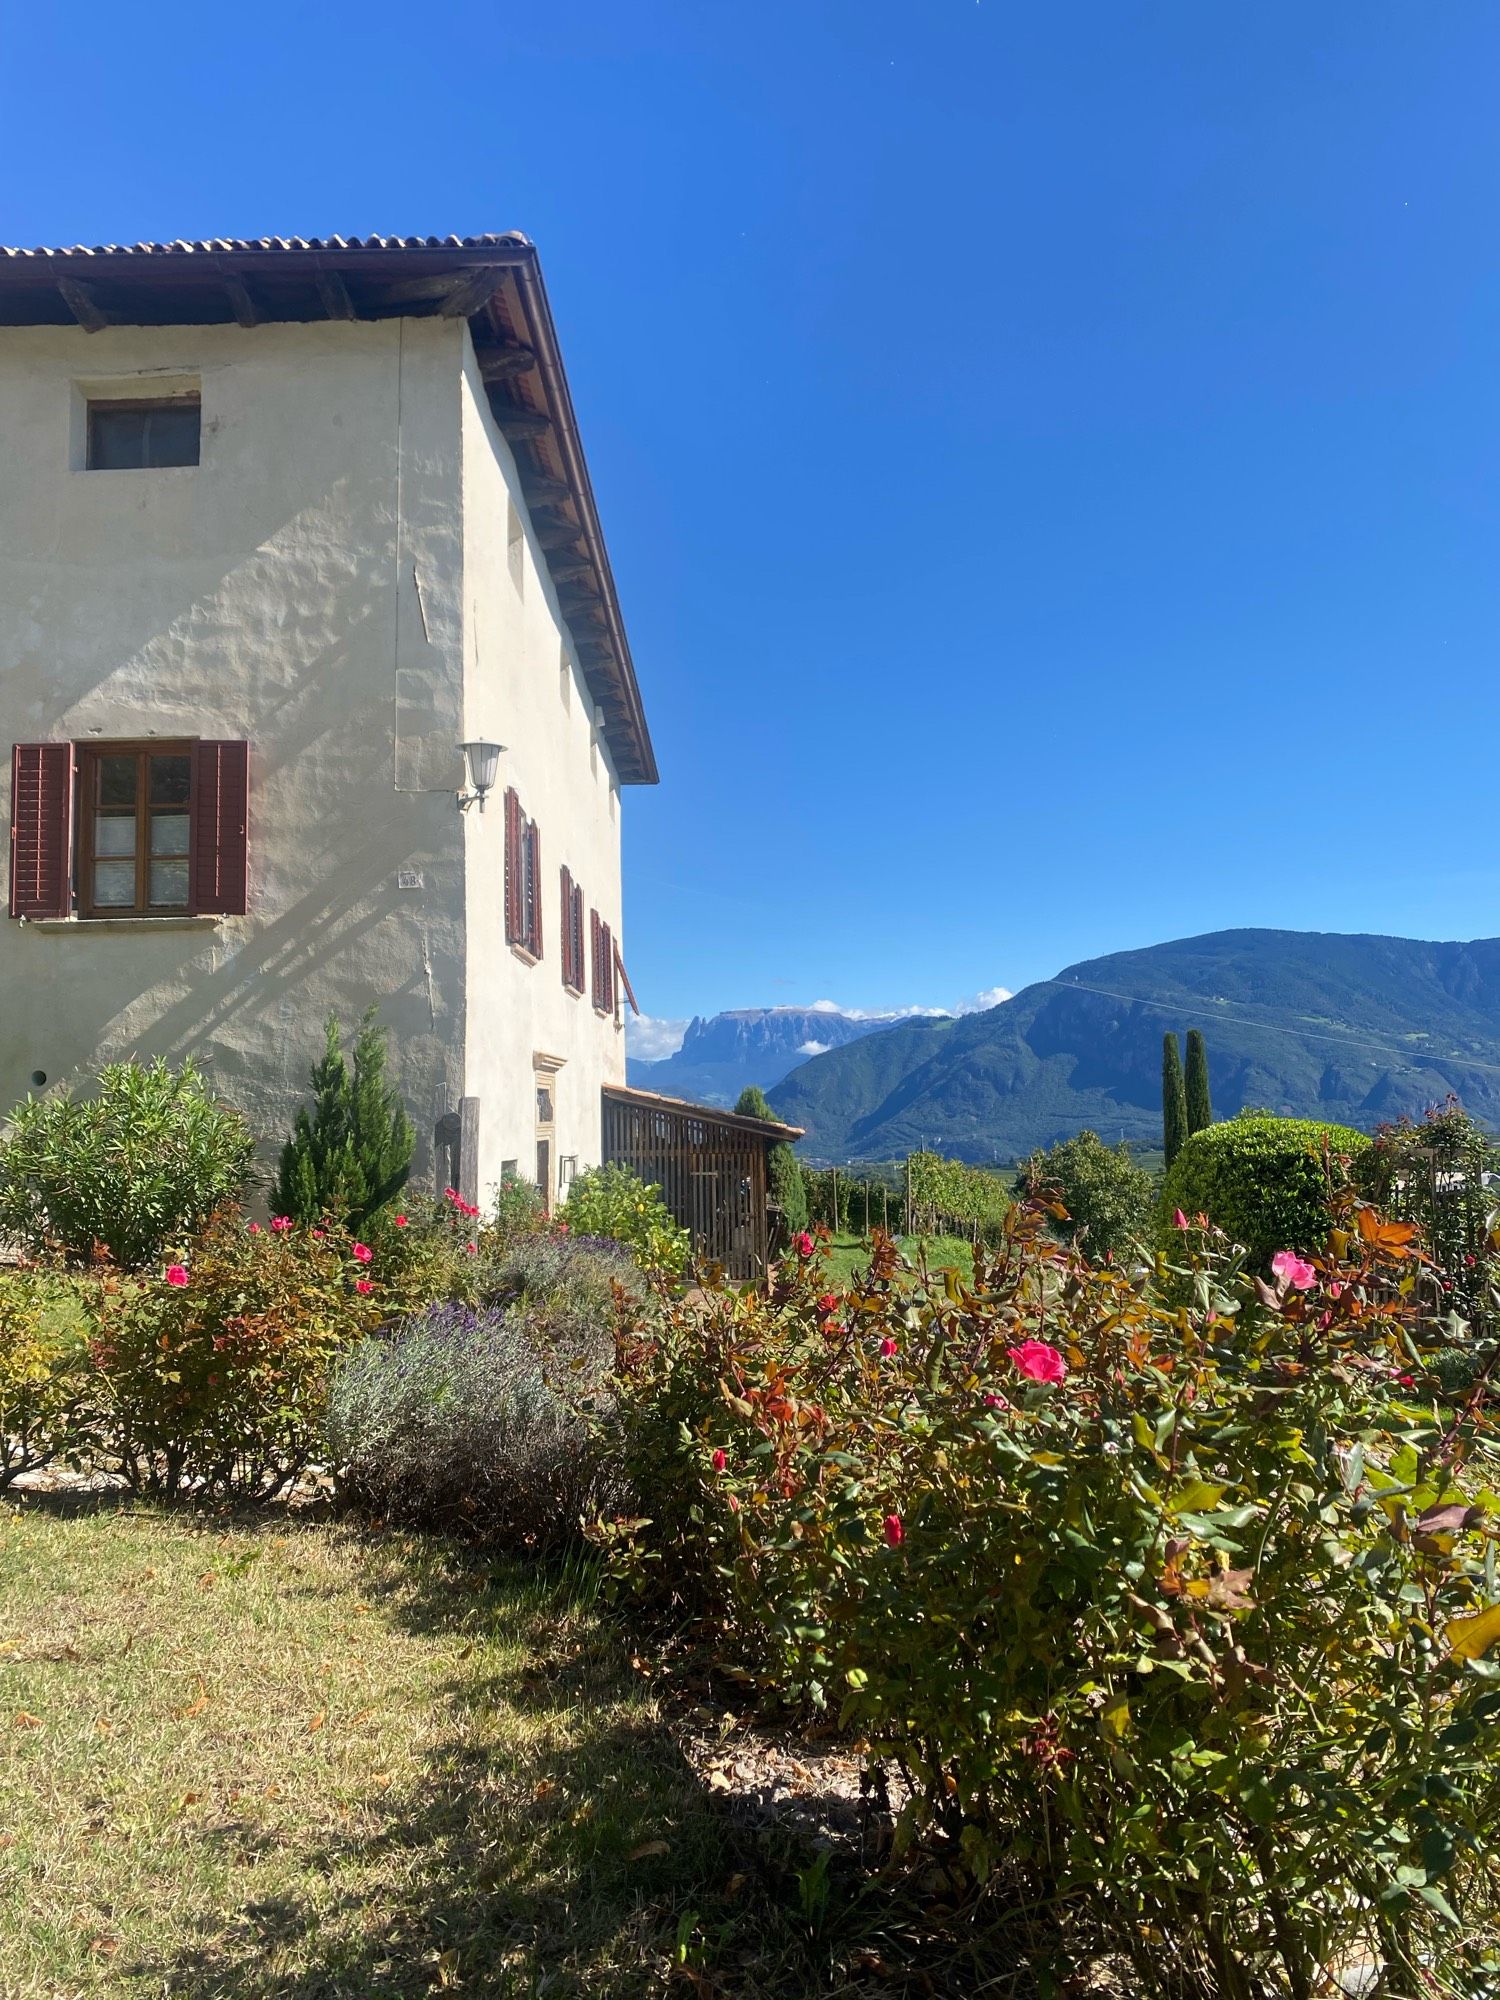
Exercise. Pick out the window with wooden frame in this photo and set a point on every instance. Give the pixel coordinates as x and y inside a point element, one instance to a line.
<point>523,879</point>
<point>603,950</point>
<point>129,829</point>
<point>134,435</point>
<point>572,934</point>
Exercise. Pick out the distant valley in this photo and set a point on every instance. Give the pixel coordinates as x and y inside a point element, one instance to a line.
<point>1351,1028</point>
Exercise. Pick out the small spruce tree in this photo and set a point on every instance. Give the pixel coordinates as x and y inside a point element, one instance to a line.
<point>1200,1106</point>
<point>1174,1116</point>
<point>351,1153</point>
<point>788,1190</point>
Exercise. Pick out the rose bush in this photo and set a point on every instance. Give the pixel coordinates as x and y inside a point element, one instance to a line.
<point>212,1375</point>
<point>45,1403</point>
<point>1171,1596</point>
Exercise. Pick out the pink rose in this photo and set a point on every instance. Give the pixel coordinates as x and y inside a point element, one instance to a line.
<point>400,1221</point>
<point>472,1248</point>
<point>993,1402</point>
<point>363,1285</point>
<point>176,1275</point>
<point>1179,1220</point>
<point>280,1223</point>
<point>804,1245</point>
<point>1294,1270</point>
<point>317,1232</point>
<point>720,1459</point>
<point>895,1534</point>
<point>887,1347</point>
<point>255,1229</point>
<point>362,1253</point>
<point>1038,1362</point>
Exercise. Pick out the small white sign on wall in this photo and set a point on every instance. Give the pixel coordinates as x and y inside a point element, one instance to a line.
<point>409,878</point>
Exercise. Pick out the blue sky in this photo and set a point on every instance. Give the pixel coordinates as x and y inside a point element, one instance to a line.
<point>1048,454</point>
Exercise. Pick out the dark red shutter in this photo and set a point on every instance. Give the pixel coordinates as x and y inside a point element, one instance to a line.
<point>221,829</point>
<point>595,979</point>
<point>567,928</point>
<point>514,928</point>
<point>534,911</point>
<point>624,978</point>
<point>580,970</point>
<point>41,830</point>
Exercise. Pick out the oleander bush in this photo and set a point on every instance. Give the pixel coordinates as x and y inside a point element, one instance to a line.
<point>141,1162</point>
<point>493,1419</point>
<point>1167,1598</point>
<point>612,1201</point>
<point>1265,1181</point>
<point>212,1372</point>
<point>45,1382</point>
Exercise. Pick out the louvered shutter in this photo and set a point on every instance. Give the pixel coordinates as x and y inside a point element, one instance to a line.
<point>514,927</point>
<point>534,889</point>
<point>579,970</point>
<point>41,830</point>
<point>221,829</point>
<point>567,927</point>
<point>595,981</point>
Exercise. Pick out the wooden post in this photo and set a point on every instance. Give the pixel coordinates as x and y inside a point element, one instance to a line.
<point>468,1148</point>
<point>835,1201</point>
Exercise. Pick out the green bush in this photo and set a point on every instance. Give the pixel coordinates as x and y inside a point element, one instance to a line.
<point>491,1419</point>
<point>612,1201</point>
<point>45,1381</point>
<point>1178,1618</point>
<point>212,1373</point>
<point>1438,1174</point>
<point>350,1155</point>
<point>144,1160</point>
<point>1109,1198</point>
<point>1264,1181</point>
<point>519,1208</point>
<point>786,1188</point>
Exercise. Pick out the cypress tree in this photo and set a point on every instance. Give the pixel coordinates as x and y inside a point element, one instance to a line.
<point>351,1153</point>
<point>1200,1108</point>
<point>787,1189</point>
<point>1174,1117</point>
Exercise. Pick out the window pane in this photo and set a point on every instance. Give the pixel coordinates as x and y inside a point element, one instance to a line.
<point>117,776</point>
<point>172,434</point>
<point>114,833</point>
<point>169,885</point>
<point>169,833</point>
<point>117,438</point>
<point>114,884</point>
<point>171,780</point>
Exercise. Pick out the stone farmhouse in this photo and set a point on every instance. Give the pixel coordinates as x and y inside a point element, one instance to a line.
<point>320,696</point>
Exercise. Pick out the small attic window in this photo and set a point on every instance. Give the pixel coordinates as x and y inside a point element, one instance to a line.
<point>127,436</point>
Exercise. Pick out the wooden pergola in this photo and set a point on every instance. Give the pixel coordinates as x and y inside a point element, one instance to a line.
<point>710,1166</point>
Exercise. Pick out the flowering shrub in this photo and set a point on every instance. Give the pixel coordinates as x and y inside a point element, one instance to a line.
<point>212,1374</point>
<point>147,1158</point>
<point>611,1201</point>
<point>490,1418</point>
<point>1166,1592</point>
<point>44,1381</point>
<point>519,1208</point>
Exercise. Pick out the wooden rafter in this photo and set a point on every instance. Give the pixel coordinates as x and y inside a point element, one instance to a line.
<point>83,303</point>
<point>473,293</point>
<point>501,364</point>
<point>516,422</point>
<point>335,296</point>
<point>244,308</point>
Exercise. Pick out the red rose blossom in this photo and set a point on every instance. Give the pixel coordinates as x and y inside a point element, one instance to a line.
<point>1038,1362</point>
<point>895,1534</point>
<point>361,1253</point>
<point>720,1459</point>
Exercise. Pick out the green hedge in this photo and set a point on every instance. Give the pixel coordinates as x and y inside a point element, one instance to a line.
<point>1262,1180</point>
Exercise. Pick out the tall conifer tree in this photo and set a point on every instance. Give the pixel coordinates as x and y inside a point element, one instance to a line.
<point>1174,1115</point>
<point>1200,1107</point>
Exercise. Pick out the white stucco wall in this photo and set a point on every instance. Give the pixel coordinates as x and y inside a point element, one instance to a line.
<point>302,587</point>
<point>523,689</point>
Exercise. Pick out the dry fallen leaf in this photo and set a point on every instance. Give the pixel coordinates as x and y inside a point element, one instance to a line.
<point>544,1786</point>
<point>193,1708</point>
<point>647,1850</point>
<point>317,1722</point>
<point>25,1721</point>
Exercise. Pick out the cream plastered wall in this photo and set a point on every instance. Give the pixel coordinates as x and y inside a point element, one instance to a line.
<point>301,587</point>
<point>523,689</point>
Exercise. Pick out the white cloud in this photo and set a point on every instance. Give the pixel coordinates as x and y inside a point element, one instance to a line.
<point>649,1040</point>
<point>814,1048</point>
<point>981,1003</point>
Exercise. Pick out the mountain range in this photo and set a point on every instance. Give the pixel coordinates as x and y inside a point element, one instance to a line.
<point>1348,1028</point>
<point>722,1054</point>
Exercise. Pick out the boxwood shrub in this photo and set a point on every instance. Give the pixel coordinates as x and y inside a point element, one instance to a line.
<point>1264,1181</point>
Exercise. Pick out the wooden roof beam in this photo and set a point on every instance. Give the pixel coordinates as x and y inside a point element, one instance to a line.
<point>83,303</point>
<point>502,364</point>
<point>244,308</point>
<point>519,423</point>
<point>557,534</point>
<point>335,296</point>
<point>475,292</point>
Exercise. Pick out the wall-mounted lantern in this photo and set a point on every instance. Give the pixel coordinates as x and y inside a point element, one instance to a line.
<point>482,761</point>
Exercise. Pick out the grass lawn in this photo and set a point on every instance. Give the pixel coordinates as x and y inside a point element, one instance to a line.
<point>848,1254</point>
<point>307,1761</point>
